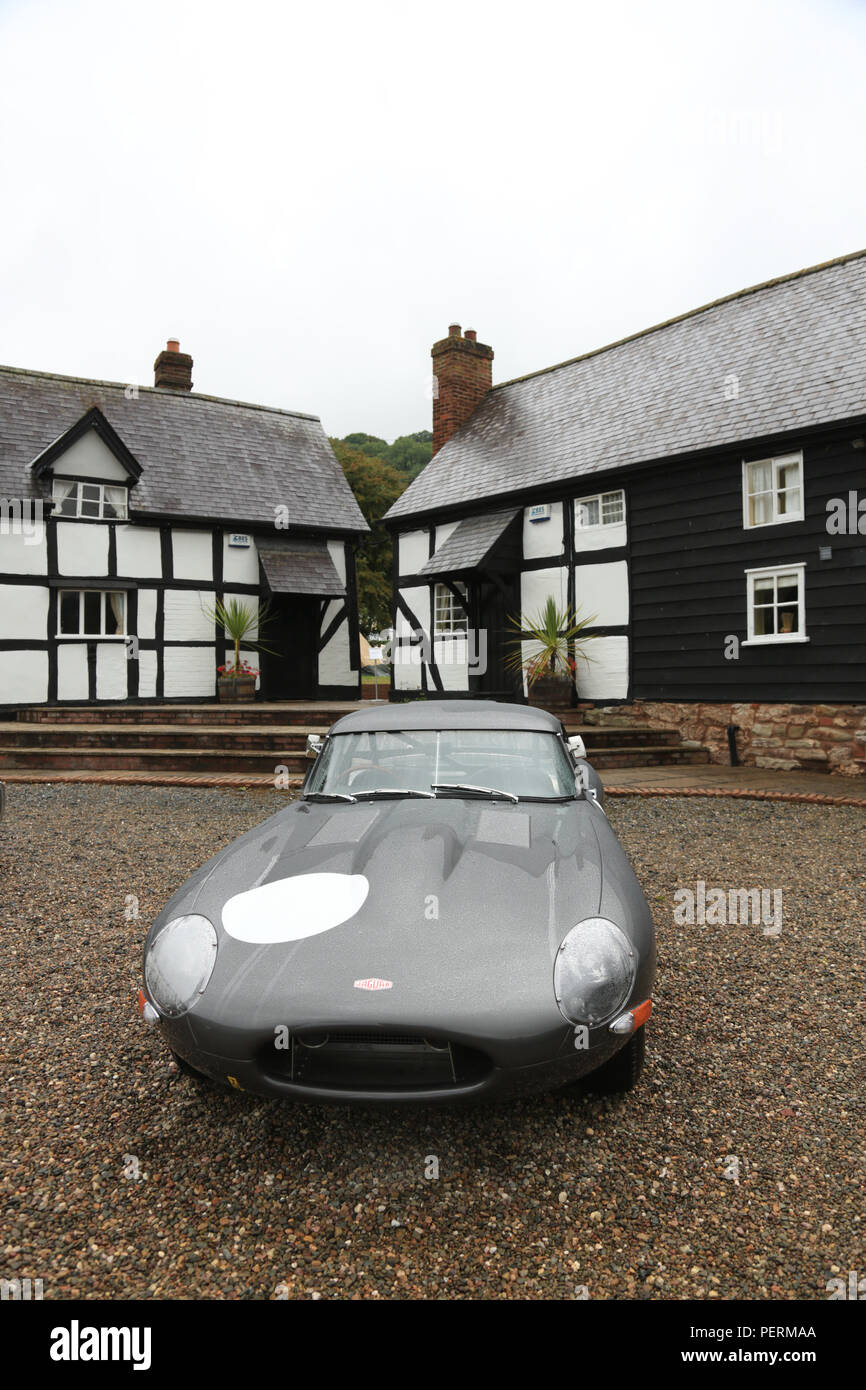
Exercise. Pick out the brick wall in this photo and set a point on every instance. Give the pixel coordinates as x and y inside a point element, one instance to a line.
<point>787,737</point>
<point>463,374</point>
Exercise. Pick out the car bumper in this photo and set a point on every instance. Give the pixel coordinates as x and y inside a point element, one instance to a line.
<point>465,1070</point>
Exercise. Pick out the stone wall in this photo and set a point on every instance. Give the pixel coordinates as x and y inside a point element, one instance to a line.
<point>814,738</point>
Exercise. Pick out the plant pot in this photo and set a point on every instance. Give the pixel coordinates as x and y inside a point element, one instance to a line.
<point>552,692</point>
<point>236,688</point>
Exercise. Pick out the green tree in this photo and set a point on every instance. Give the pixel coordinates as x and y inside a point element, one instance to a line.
<point>408,454</point>
<point>376,486</point>
<point>411,452</point>
<point>369,444</point>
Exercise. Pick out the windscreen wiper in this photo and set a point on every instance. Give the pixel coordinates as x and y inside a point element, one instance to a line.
<point>465,788</point>
<point>328,796</point>
<point>391,791</point>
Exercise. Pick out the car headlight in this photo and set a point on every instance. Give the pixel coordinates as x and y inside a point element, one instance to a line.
<point>179,963</point>
<point>594,972</point>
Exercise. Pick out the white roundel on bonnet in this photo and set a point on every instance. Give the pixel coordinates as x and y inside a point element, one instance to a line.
<point>293,908</point>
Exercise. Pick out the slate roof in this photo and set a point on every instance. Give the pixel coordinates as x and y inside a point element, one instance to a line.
<point>299,565</point>
<point>201,457</point>
<point>796,345</point>
<point>469,543</point>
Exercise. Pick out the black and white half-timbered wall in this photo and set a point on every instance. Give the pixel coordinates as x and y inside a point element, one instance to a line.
<point>125,511</point>
<point>699,490</point>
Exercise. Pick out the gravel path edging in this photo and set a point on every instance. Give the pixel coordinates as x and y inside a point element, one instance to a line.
<point>259,780</point>
<point>753,793</point>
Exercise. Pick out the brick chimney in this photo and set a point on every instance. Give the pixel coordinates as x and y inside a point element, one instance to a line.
<point>173,368</point>
<point>463,372</point>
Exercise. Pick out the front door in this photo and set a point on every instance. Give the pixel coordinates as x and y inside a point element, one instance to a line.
<point>290,669</point>
<point>496,601</point>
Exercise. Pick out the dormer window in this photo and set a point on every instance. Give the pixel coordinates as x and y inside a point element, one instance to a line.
<point>89,501</point>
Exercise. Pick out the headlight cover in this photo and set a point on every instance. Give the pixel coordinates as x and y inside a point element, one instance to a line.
<point>179,962</point>
<point>594,972</point>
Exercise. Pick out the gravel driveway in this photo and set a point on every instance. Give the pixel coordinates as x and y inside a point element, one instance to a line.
<point>735,1170</point>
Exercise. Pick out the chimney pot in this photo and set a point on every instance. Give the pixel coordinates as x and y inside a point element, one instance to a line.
<point>471,335</point>
<point>173,345</point>
<point>454,330</point>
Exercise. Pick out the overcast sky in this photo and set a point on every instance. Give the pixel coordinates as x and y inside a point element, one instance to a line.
<point>306,195</point>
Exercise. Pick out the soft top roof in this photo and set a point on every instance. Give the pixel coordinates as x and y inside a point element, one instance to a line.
<point>448,714</point>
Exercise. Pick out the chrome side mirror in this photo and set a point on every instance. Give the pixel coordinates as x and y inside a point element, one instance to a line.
<point>588,782</point>
<point>576,747</point>
<point>315,744</point>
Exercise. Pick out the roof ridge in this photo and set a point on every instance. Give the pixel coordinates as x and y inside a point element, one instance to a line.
<point>680,318</point>
<point>158,391</point>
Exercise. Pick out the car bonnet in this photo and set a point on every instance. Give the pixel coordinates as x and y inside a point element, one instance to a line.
<point>386,906</point>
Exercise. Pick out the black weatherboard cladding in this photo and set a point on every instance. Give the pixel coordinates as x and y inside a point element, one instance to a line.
<point>689,553</point>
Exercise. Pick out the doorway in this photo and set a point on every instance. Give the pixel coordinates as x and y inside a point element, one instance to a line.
<point>290,670</point>
<point>495,601</point>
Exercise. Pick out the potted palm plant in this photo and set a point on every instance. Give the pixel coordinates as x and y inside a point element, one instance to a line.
<point>236,680</point>
<point>558,636</point>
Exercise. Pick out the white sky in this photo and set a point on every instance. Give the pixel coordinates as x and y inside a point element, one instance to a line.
<point>308,194</point>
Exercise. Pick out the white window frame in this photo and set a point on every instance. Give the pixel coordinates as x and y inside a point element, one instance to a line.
<point>598,497</point>
<point>102,635</point>
<point>778,518</point>
<point>776,638</point>
<point>78,484</point>
<point>452,605</point>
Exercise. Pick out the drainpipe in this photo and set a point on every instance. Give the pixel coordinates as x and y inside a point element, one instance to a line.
<point>732,744</point>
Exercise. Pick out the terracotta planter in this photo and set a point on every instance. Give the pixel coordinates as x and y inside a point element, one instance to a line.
<point>551,692</point>
<point>236,688</point>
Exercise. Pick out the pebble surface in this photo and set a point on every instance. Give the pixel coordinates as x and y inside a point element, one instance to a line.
<point>735,1170</point>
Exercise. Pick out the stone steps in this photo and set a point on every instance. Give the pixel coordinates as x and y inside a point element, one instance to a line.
<point>658,755</point>
<point>253,739</point>
<point>597,736</point>
<point>233,738</point>
<point>210,715</point>
<point>64,758</point>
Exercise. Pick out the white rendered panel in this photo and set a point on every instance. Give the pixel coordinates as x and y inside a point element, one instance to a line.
<point>139,555</point>
<point>82,548</point>
<point>192,553</point>
<point>602,591</point>
<point>23,612</point>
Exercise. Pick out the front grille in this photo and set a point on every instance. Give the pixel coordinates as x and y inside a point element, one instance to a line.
<point>367,1060</point>
<point>368,1038</point>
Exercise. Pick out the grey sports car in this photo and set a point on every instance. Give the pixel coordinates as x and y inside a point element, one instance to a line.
<point>444,914</point>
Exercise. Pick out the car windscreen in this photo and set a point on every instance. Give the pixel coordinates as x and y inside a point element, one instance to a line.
<point>527,764</point>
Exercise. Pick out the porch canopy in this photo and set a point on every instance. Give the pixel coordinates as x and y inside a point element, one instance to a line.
<point>469,545</point>
<point>299,565</point>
